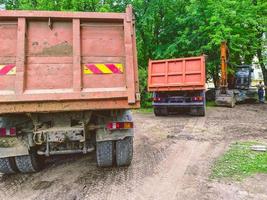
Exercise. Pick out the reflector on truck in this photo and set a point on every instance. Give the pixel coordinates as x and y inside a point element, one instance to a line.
<point>103,68</point>
<point>119,125</point>
<point>9,69</point>
<point>5,132</point>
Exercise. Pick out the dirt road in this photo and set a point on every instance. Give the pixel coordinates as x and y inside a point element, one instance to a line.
<point>172,160</point>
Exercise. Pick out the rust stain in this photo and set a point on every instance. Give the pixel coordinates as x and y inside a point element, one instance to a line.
<point>35,43</point>
<point>62,49</point>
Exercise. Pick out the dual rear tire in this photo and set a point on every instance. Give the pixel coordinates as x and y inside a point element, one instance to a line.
<point>110,153</point>
<point>195,111</point>
<point>24,164</point>
<point>198,111</point>
<point>28,163</point>
<point>8,165</point>
<point>160,111</point>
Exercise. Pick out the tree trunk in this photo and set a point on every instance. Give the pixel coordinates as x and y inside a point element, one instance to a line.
<point>263,68</point>
<point>262,65</point>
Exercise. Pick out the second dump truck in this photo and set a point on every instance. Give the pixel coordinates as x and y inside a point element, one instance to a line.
<point>67,83</point>
<point>178,83</point>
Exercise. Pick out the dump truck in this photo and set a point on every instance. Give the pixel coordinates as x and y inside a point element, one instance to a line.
<point>178,83</point>
<point>68,82</point>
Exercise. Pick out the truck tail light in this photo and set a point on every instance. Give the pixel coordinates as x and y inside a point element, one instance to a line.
<point>198,98</point>
<point>119,125</point>
<point>155,99</point>
<point>7,132</point>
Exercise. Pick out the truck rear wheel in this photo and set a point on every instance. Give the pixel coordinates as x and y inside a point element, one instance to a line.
<point>201,111</point>
<point>104,153</point>
<point>160,111</point>
<point>124,151</point>
<point>157,112</point>
<point>28,163</point>
<point>8,165</point>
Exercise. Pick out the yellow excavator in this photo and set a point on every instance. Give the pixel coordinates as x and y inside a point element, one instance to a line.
<point>242,90</point>
<point>224,96</point>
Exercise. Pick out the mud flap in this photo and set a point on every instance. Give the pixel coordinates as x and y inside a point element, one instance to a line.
<point>104,134</point>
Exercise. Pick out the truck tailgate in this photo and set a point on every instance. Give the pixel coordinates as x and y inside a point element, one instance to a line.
<point>177,74</point>
<point>63,58</point>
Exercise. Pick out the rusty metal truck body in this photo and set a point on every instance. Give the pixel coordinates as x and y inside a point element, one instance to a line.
<point>178,83</point>
<point>67,83</point>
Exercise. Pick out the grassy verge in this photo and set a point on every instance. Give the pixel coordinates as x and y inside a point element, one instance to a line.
<point>210,104</point>
<point>144,110</point>
<point>240,162</point>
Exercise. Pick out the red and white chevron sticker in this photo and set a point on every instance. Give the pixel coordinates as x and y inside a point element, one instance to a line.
<point>9,69</point>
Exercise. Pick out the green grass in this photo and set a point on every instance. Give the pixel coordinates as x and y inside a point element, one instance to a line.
<point>240,162</point>
<point>210,103</point>
<point>144,110</point>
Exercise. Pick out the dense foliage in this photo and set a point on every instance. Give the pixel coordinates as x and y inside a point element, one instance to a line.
<point>178,28</point>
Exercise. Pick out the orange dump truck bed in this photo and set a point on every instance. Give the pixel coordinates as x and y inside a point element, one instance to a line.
<point>67,61</point>
<point>177,74</point>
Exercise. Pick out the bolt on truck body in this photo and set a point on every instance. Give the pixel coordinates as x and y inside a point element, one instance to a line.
<point>67,83</point>
<point>178,83</point>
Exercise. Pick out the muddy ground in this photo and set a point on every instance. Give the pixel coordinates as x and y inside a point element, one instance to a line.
<point>172,160</point>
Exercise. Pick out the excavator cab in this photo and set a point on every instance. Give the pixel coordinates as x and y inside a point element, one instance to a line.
<point>243,77</point>
<point>244,91</point>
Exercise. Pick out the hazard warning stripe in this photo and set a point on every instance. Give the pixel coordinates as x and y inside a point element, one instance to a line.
<point>94,69</point>
<point>110,68</point>
<point>114,68</point>
<point>9,69</point>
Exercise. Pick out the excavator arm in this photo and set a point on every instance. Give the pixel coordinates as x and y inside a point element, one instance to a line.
<point>224,96</point>
<point>223,82</point>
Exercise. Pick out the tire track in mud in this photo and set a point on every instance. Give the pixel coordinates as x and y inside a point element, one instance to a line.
<point>124,180</point>
<point>172,172</point>
<point>94,183</point>
<point>193,185</point>
<point>175,167</point>
<point>167,181</point>
<point>11,184</point>
<point>32,186</point>
<point>146,162</point>
<point>148,187</point>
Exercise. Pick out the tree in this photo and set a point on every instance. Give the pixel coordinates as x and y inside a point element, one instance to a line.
<point>261,28</point>
<point>180,28</point>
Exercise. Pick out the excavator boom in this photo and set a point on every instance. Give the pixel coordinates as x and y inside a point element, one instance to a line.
<point>223,83</point>
<point>224,96</point>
